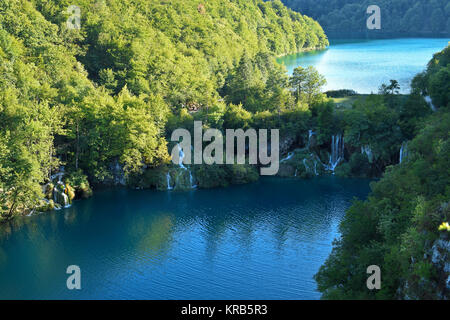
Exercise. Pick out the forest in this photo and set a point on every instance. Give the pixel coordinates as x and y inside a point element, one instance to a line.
<point>398,18</point>
<point>85,102</point>
<point>81,108</point>
<point>403,223</point>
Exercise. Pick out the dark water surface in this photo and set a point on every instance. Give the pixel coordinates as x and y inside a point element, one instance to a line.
<point>260,241</point>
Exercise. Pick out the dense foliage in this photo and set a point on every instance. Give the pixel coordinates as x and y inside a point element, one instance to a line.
<point>397,228</point>
<point>399,17</point>
<point>100,101</point>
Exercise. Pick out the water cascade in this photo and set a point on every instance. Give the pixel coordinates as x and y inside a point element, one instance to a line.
<point>289,156</point>
<point>337,152</point>
<point>59,175</point>
<point>403,151</point>
<point>368,152</point>
<point>310,163</point>
<point>59,196</point>
<point>310,134</point>
<point>430,103</point>
<point>181,157</point>
<point>118,174</point>
<point>305,164</point>
<point>169,187</point>
<point>182,166</point>
<point>191,180</point>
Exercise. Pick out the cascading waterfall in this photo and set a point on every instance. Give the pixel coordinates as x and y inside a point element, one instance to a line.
<point>310,134</point>
<point>368,152</point>
<point>181,157</point>
<point>305,164</point>
<point>289,156</point>
<point>430,103</point>
<point>169,187</point>
<point>60,197</point>
<point>66,200</point>
<point>191,180</point>
<point>180,163</point>
<point>55,197</point>
<point>403,151</point>
<point>337,152</point>
<point>58,175</point>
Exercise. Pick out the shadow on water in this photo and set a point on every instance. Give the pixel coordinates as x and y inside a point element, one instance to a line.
<point>260,241</point>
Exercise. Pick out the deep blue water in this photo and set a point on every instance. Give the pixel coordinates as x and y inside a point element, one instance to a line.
<point>363,65</point>
<point>260,241</point>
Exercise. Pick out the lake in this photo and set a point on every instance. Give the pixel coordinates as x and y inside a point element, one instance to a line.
<point>264,240</point>
<point>363,65</point>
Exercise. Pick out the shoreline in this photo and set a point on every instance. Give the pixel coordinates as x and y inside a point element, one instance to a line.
<point>302,51</point>
<point>106,189</point>
<point>100,187</point>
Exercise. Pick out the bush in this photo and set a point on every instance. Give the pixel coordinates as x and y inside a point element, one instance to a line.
<point>211,176</point>
<point>359,165</point>
<point>240,174</point>
<point>80,183</point>
<point>343,170</point>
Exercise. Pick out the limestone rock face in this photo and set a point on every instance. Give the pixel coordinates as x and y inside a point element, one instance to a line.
<point>437,287</point>
<point>441,254</point>
<point>301,163</point>
<point>286,144</point>
<point>118,174</point>
<point>441,259</point>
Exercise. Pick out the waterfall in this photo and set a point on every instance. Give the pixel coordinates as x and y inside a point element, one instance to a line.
<point>310,134</point>
<point>180,163</point>
<point>403,151</point>
<point>169,187</point>
<point>337,152</point>
<point>57,175</point>
<point>59,197</point>
<point>65,200</point>
<point>295,174</point>
<point>430,103</point>
<point>181,157</point>
<point>191,180</point>
<point>55,198</point>
<point>368,152</point>
<point>305,164</point>
<point>289,156</point>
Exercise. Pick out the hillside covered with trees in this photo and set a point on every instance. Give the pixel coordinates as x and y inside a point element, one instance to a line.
<point>402,226</point>
<point>341,18</point>
<point>95,104</point>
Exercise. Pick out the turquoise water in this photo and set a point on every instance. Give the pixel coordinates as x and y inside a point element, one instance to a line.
<point>365,65</point>
<point>260,241</point>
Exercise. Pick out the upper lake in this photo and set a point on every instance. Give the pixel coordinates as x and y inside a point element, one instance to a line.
<point>366,64</point>
<point>264,240</point>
